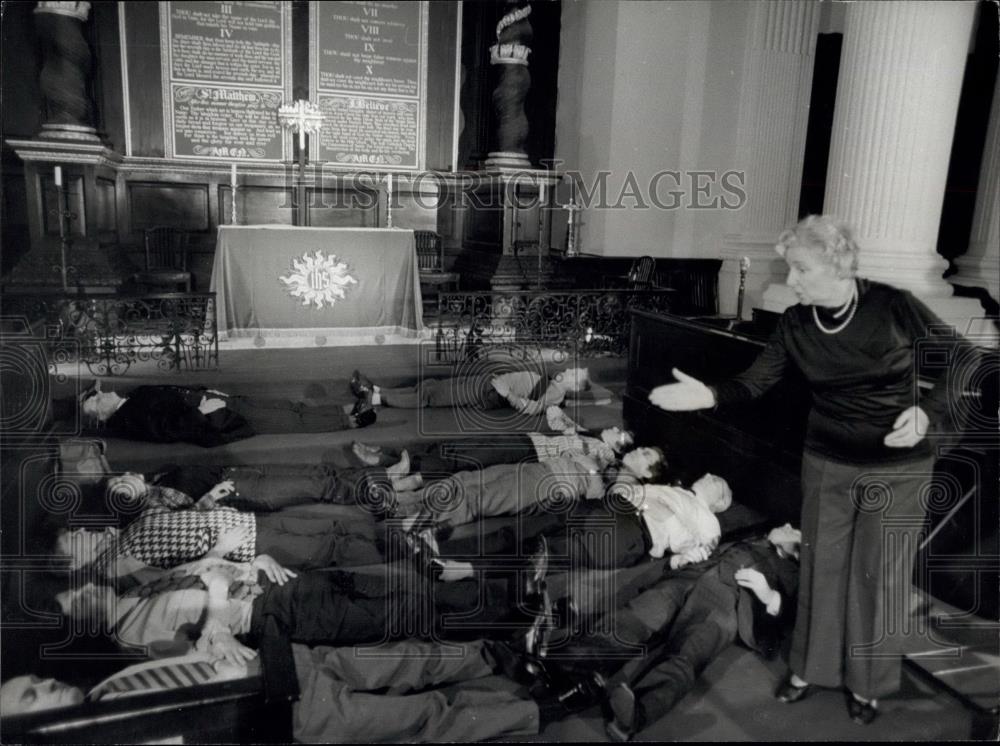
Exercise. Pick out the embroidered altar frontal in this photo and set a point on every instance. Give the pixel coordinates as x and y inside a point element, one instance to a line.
<point>336,283</point>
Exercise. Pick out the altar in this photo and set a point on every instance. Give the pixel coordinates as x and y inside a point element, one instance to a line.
<point>336,285</point>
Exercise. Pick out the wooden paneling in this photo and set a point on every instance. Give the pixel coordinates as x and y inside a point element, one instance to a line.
<point>440,103</point>
<point>15,234</point>
<point>341,208</point>
<point>256,205</point>
<point>183,206</point>
<point>145,97</point>
<point>74,198</point>
<point>107,218</point>
<point>110,103</point>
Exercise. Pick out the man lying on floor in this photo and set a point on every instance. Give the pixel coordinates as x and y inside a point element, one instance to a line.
<point>435,692</point>
<point>610,533</point>
<point>205,417</point>
<point>336,685</point>
<point>670,632</point>
<point>511,489</point>
<point>480,451</point>
<point>524,390</point>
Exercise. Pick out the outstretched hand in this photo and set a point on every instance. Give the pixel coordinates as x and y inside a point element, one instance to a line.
<point>908,429</point>
<point>278,574</point>
<point>687,395</point>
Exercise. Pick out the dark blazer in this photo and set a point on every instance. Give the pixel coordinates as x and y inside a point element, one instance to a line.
<point>169,414</point>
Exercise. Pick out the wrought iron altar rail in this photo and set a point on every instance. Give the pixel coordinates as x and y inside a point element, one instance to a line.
<point>108,333</point>
<point>584,323</point>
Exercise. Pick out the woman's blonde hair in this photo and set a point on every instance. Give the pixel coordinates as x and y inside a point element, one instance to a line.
<point>827,235</point>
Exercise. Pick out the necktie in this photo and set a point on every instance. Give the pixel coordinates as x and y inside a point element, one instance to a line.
<point>154,676</point>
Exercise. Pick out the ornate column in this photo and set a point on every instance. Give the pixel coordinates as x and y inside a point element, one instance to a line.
<point>774,111</point>
<point>980,265</point>
<point>66,70</point>
<point>511,54</point>
<point>897,99</point>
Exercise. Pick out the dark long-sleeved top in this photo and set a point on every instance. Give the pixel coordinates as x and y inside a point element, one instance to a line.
<point>168,414</point>
<point>861,377</point>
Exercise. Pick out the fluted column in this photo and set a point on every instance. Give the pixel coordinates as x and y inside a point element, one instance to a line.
<point>980,265</point>
<point>66,69</point>
<point>774,109</point>
<point>894,122</point>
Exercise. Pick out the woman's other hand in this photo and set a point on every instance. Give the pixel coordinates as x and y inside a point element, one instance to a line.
<point>908,429</point>
<point>687,395</point>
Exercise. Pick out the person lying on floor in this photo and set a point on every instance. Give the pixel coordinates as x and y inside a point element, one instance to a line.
<point>208,604</point>
<point>524,390</point>
<point>165,535</point>
<point>609,533</point>
<point>436,692</point>
<point>670,632</point>
<point>510,489</point>
<point>205,417</point>
<point>480,451</point>
<point>265,487</point>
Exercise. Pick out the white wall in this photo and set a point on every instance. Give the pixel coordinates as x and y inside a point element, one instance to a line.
<point>646,87</point>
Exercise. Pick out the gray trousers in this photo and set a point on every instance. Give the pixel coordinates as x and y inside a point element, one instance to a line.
<point>861,526</point>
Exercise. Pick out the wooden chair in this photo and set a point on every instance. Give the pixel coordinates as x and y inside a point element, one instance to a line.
<point>642,274</point>
<point>166,259</point>
<point>430,260</point>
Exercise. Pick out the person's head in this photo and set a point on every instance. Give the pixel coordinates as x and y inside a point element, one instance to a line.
<point>125,489</point>
<point>714,492</point>
<point>617,439</point>
<point>646,462</point>
<point>29,693</point>
<point>822,259</point>
<point>786,540</point>
<point>89,602</point>
<point>100,405</point>
<point>573,379</point>
<point>83,545</point>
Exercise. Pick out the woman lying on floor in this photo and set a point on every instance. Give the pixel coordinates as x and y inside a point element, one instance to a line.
<point>168,527</point>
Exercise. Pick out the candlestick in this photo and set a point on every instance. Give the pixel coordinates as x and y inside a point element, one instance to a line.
<point>388,209</point>
<point>58,176</point>
<point>232,182</point>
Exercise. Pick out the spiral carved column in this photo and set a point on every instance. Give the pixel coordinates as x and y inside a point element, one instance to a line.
<point>66,70</point>
<point>511,52</point>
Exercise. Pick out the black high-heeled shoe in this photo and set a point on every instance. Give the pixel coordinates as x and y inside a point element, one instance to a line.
<point>862,713</point>
<point>788,693</point>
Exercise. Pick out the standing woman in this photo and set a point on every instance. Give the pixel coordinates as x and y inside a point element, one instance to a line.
<point>866,465</point>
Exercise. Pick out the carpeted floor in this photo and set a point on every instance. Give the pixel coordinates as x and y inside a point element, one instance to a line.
<point>732,701</point>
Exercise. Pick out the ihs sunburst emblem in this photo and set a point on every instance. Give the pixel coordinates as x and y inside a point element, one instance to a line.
<point>318,279</point>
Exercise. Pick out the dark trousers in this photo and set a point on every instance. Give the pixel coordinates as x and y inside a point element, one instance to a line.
<point>284,416</point>
<point>273,487</point>
<point>312,543</point>
<point>337,608</point>
<point>861,526</point>
<point>476,452</point>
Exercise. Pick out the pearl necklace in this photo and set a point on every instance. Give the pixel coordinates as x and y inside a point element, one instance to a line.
<point>853,302</point>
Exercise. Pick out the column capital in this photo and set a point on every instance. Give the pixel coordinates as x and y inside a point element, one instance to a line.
<point>77,10</point>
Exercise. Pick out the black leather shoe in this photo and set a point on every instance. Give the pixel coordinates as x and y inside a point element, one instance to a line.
<point>586,691</point>
<point>788,693</point>
<point>861,713</point>
<point>517,665</point>
<point>361,385</point>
